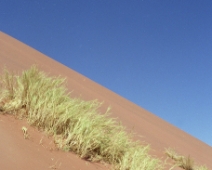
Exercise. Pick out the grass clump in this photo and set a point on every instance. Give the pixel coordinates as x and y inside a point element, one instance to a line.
<point>76,125</point>
<point>183,162</point>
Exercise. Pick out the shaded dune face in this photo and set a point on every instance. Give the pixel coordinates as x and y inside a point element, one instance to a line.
<point>17,57</point>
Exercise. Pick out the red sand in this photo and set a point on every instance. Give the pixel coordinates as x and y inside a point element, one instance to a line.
<point>18,153</point>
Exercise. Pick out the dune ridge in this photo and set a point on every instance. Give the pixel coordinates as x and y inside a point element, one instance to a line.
<point>17,56</point>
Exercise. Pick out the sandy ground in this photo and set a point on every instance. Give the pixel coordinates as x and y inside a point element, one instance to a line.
<point>38,152</point>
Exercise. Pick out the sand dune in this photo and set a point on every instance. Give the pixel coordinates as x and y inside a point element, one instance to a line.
<point>18,153</point>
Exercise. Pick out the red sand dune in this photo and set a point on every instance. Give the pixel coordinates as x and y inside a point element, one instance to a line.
<point>38,152</point>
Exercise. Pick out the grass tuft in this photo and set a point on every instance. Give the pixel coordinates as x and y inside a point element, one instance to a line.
<point>183,162</point>
<point>75,124</point>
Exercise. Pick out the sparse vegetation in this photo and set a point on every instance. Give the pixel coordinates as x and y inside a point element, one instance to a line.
<point>76,125</point>
<point>183,162</point>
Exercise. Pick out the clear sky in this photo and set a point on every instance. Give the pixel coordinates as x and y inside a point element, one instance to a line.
<point>156,53</point>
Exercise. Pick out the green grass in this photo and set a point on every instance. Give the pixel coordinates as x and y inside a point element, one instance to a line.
<point>75,124</point>
<point>183,162</point>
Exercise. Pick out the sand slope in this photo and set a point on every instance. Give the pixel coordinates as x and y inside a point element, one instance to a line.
<point>17,153</point>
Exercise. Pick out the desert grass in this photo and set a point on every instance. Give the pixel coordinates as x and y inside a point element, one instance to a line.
<point>75,124</point>
<point>183,162</point>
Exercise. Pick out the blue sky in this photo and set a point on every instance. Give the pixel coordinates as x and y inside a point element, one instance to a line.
<point>156,53</point>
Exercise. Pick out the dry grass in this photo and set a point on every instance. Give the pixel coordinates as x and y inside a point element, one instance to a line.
<point>183,162</point>
<point>75,124</point>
